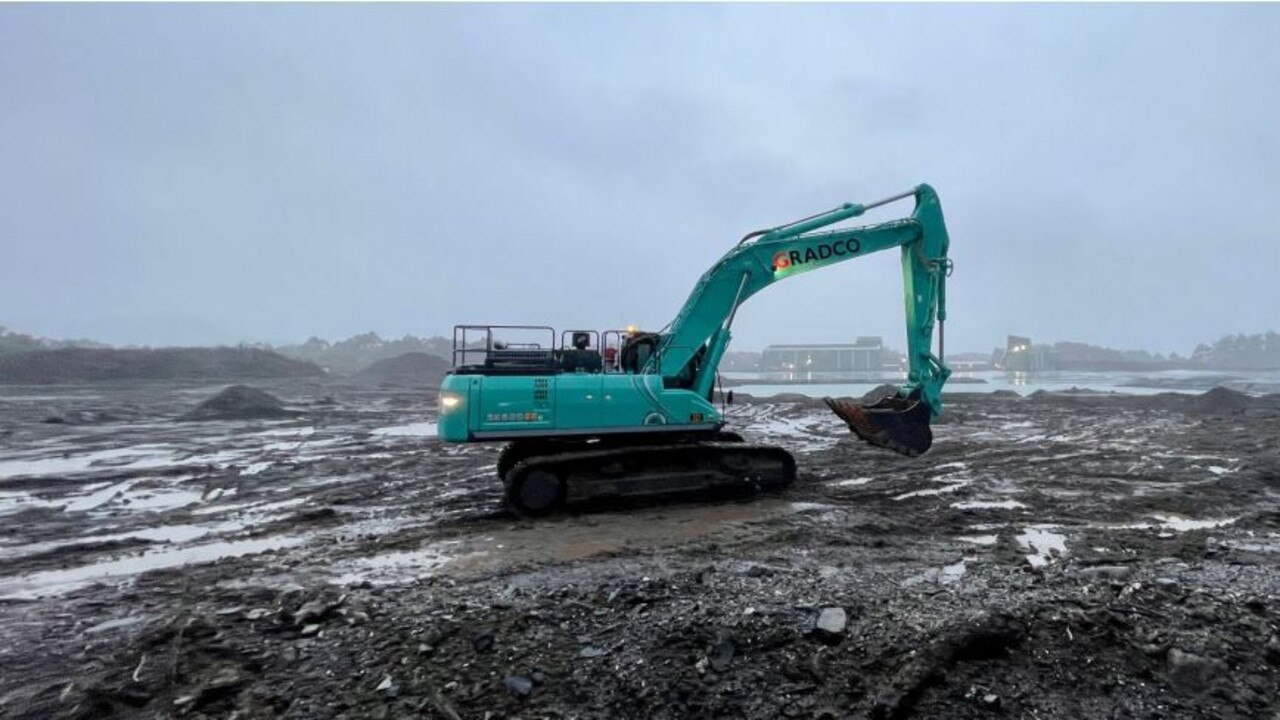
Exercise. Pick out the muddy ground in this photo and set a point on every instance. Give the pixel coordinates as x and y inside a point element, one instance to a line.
<point>1051,557</point>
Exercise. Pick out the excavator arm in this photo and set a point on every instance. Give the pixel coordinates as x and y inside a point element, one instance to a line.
<point>696,340</point>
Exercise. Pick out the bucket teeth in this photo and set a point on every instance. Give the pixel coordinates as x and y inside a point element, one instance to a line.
<point>897,423</point>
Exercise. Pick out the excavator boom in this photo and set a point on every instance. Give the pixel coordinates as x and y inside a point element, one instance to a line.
<point>700,333</point>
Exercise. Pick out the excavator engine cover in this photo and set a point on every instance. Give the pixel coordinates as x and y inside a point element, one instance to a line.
<point>898,423</point>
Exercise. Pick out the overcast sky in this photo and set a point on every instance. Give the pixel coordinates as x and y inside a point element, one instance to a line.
<point>210,174</point>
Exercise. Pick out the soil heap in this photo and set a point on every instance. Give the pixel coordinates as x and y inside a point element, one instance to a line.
<point>413,369</point>
<point>240,402</point>
<point>99,364</point>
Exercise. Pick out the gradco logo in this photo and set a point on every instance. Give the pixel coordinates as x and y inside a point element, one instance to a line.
<point>823,251</point>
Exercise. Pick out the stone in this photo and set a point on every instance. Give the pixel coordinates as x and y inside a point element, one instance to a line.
<point>721,655</point>
<point>518,685</point>
<point>482,641</point>
<point>830,624</point>
<point>1109,572</point>
<point>1189,673</point>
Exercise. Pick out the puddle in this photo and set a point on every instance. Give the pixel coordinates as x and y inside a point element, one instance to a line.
<point>805,433</point>
<point>808,506</point>
<point>1181,524</point>
<point>99,497</point>
<point>851,482</point>
<point>400,566</point>
<point>418,429</point>
<point>988,504</point>
<point>130,458</point>
<point>115,624</point>
<point>933,491</point>
<point>12,501</point>
<point>58,582</point>
<point>176,534</point>
<point>952,573</point>
<point>1042,545</point>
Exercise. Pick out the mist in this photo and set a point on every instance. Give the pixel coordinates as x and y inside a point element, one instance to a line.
<point>219,174</point>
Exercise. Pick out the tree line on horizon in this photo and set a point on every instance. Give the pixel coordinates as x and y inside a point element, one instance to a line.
<point>1259,351</point>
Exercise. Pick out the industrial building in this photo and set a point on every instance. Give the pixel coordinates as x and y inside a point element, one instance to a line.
<point>1022,356</point>
<point>866,353</point>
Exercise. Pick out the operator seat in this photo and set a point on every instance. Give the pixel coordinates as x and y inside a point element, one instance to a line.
<point>581,358</point>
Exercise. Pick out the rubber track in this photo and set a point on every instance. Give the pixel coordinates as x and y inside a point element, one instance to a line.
<point>659,469</point>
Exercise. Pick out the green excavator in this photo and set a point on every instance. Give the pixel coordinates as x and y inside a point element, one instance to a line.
<point>589,414</point>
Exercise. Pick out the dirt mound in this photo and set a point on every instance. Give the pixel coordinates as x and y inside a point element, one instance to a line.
<point>414,369</point>
<point>240,402</point>
<point>99,364</point>
<point>1220,401</point>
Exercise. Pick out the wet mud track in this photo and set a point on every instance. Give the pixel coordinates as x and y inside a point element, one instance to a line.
<point>1052,556</point>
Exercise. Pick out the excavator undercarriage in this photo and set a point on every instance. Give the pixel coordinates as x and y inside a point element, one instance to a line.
<point>541,475</point>
<point>538,483</point>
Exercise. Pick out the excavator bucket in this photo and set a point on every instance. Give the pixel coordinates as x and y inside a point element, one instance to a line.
<point>888,421</point>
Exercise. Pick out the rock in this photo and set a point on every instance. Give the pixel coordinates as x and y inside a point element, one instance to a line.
<point>316,610</point>
<point>518,685</point>
<point>983,697</point>
<point>239,402</point>
<point>1220,401</point>
<point>1110,572</point>
<point>225,681</point>
<point>54,420</point>
<point>538,677</point>
<point>257,614</point>
<point>309,630</point>
<point>1189,673</point>
<point>227,677</point>
<point>385,685</point>
<point>721,655</point>
<point>830,624</point>
<point>1272,650</point>
<point>590,651</point>
<point>482,640</point>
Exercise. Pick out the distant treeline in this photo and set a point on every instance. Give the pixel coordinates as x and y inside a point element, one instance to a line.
<point>1241,352</point>
<point>360,351</point>
<point>1260,351</point>
<point>13,342</point>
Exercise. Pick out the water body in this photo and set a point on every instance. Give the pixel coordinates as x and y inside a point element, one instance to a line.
<point>836,384</point>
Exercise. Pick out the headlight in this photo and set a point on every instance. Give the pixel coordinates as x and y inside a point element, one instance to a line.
<point>449,401</point>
